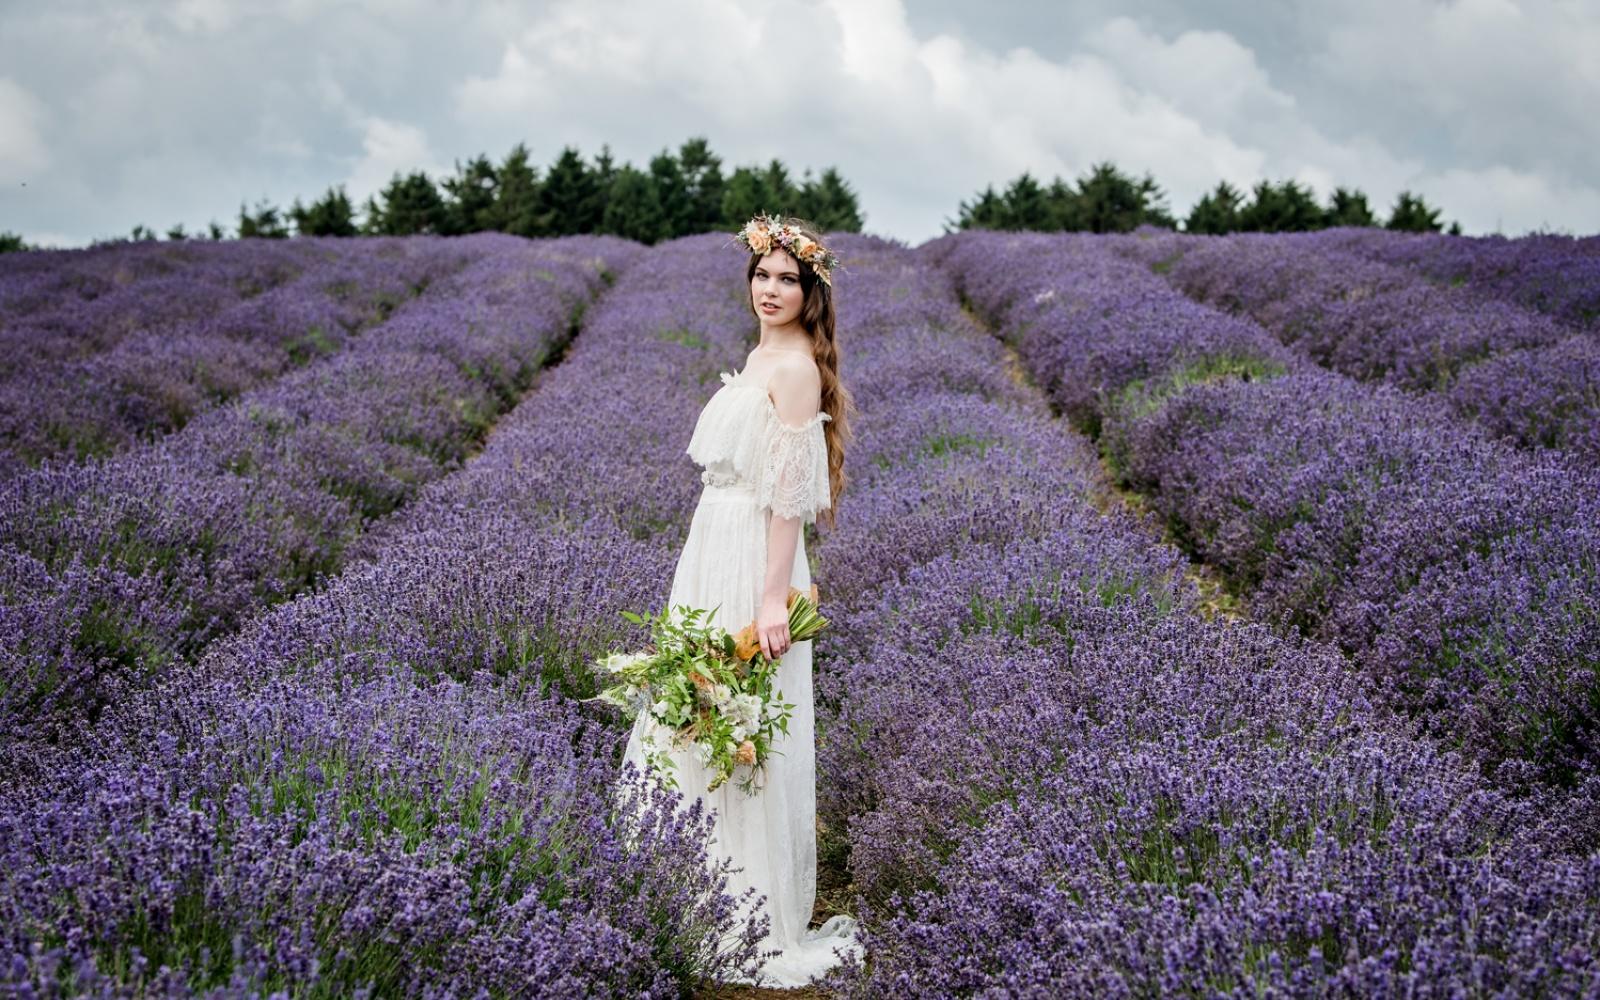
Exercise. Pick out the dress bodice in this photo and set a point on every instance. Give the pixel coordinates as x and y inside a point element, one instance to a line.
<point>740,441</point>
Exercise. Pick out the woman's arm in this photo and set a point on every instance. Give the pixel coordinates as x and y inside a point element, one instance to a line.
<point>796,392</point>
<point>772,623</point>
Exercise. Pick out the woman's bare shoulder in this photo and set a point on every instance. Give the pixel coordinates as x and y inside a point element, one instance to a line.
<point>798,368</point>
<point>796,388</point>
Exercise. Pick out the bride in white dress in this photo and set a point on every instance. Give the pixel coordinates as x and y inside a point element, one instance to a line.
<point>764,446</point>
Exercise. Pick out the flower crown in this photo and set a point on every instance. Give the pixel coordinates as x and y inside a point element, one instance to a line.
<point>765,232</point>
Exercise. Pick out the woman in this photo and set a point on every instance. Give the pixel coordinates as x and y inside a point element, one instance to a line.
<point>771,442</point>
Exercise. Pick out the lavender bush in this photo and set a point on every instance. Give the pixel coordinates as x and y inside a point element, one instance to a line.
<point>1380,322</point>
<point>155,378</point>
<point>384,838</point>
<point>1457,571</point>
<point>156,551</point>
<point>1557,275</point>
<point>1370,321</point>
<point>1176,807</point>
<point>60,305</point>
<point>1545,397</point>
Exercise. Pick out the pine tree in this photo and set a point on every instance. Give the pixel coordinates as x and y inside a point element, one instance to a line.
<point>371,217</point>
<point>633,208</point>
<point>1412,214</point>
<point>1025,204</point>
<point>781,189</point>
<point>330,215</point>
<point>744,196</point>
<point>593,207</point>
<point>470,196</point>
<point>1288,207</point>
<point>703,185</point>
<point>1348,207</point>
<point>411,205</point>
<point>265,222</point>
<point>1109,201</point>
<point>567,195</point>
<point>517,194</point>
<point>1155,212</point>
<point>987,211</point>
<point>829,204</point>
<point>672,193</point>
<point>1061,205</point>
<point>1217,212</point>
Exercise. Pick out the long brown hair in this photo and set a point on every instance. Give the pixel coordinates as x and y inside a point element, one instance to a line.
<point>816,315</point>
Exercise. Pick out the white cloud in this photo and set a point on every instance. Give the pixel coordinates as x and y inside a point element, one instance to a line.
<point>23,152</point>
<point>916,124</point>
<point>1499,81</point>
<point>1208,74</point>
<point>202,16</point>
<point>388,146</point>
<point>1500,199</point>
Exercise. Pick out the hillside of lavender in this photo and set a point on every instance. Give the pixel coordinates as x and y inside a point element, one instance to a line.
<point>1210,616</point>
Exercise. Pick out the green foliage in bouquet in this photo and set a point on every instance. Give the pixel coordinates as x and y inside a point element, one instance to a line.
<point>714,691</point>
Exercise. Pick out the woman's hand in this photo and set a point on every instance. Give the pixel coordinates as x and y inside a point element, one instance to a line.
<point>772,628</point>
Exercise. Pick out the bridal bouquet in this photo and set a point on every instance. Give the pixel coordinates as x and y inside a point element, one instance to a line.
<point>713,690</point>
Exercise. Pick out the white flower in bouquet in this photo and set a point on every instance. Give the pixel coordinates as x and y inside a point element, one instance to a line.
<point>616,662</point>
<point>745,711</point>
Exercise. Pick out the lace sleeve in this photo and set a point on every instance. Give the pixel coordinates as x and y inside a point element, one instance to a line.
<point>792,474</point>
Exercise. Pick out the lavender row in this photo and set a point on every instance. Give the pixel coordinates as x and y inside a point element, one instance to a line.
<point>1557,275</point>
<point>1459,572</point>
<point>1518,373</point>
<point>61,305</point>
<point>1371,321</point>
<point>155,376</point>
<point>38,282</point>
<point>1542,397</point>
<point>1058,781</point>
<point>113,569</point>
<point>471,618</point>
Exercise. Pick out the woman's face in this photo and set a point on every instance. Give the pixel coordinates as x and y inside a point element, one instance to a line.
<point>776,283</point>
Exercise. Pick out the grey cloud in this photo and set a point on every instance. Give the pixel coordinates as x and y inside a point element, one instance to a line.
<point>157,113</point>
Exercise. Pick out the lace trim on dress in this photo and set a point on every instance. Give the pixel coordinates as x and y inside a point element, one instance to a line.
<point>792,474</point>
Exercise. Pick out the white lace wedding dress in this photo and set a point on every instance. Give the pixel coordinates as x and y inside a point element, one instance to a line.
<point>755,464</point>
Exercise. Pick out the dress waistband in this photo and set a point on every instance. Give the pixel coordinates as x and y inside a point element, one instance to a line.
<point>723,479</point>
<point>725,485</point>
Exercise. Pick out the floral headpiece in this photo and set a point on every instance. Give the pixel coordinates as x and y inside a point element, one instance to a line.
<point>765,232</point>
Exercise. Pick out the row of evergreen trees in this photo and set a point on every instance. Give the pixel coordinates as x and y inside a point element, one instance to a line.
<point>687,192</point>
<point>676,195</point>
<point>1106,200</point>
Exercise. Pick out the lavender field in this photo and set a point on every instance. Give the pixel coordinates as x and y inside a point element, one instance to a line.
<point>305,547</point>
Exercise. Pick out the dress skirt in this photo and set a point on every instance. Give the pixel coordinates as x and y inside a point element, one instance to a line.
<point>771,836</point>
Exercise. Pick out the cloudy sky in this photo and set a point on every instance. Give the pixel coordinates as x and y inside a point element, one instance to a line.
<point>117,112</point>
